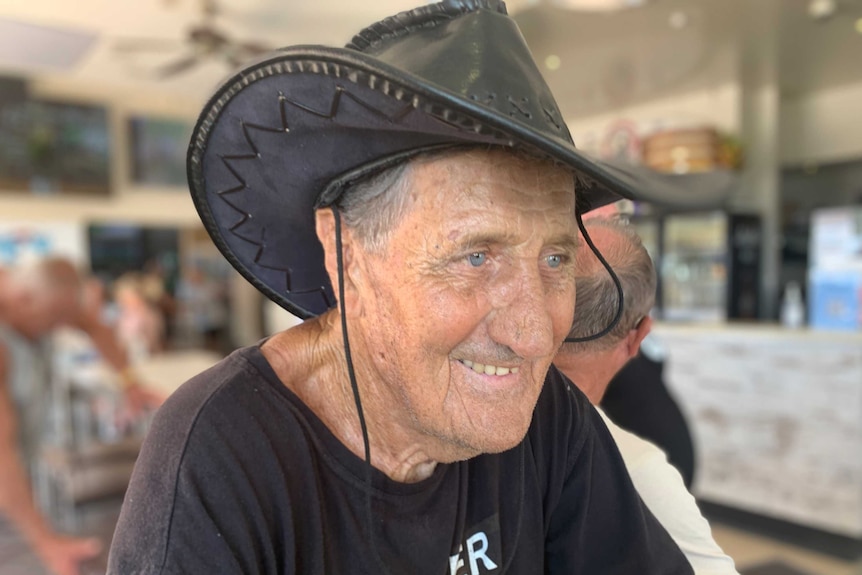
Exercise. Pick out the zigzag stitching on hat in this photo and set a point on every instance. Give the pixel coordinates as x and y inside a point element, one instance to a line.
<point>246,126</point>
<point>240,187</point>
<point>318,290</point>
<point>287,273</point>
<point>335,104</point>
<point>261,246</point>
<point>241,183</point>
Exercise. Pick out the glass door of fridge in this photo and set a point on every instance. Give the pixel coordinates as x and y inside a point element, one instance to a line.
<point>694,267</point>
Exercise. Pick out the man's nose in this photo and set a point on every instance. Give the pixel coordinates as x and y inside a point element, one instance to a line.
<point>521,319</point>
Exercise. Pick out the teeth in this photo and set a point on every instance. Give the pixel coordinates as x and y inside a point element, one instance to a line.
<point>489,369</point>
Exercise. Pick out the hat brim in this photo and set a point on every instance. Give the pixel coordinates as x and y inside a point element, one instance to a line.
<point>276,136</point>
<point>677,192</point>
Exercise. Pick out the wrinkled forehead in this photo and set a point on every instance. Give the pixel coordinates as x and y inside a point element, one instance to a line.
<point>493,176</point>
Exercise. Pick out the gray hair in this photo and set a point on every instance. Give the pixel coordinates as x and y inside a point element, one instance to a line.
<point>596,295</point>
<point>372,207</point>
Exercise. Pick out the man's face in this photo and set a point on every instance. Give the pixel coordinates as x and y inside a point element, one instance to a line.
<point>477,276</point>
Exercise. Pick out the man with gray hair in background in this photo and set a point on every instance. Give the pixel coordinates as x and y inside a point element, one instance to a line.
<point>591,365</point>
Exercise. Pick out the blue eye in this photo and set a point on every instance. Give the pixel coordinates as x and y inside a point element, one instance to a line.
<point>555,261</point>
<point>477,259</point>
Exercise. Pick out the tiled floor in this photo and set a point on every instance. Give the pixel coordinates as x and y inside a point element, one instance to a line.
<point>754,540</point>
<point>750,549</point>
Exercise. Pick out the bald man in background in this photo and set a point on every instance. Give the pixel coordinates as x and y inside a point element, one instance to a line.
<point>35,300</point>
<point>591,365</point>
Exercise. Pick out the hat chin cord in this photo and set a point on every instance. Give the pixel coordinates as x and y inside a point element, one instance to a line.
<point>615,279</point>
<point>351,374</point>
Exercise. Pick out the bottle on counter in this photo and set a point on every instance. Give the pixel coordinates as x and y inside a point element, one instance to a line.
<point>792,306</point>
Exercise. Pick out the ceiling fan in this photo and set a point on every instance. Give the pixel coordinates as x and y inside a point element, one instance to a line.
<point>204,40</point>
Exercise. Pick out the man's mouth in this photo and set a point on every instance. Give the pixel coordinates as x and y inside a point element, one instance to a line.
<point>488,369</point>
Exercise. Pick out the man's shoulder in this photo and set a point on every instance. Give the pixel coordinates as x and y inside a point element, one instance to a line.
<point>561,404</point>
<point>226,389</point>
<point>561,423</point>
<point>634,448</point>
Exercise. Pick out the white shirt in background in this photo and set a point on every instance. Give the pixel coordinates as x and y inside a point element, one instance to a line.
<point>662,489</point>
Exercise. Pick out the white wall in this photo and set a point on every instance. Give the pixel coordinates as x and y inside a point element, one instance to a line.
<point>718,107</point>
<point>822,127</point>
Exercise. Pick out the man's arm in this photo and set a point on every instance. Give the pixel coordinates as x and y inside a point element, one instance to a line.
<point>60,554</point>
<point>89,320</point>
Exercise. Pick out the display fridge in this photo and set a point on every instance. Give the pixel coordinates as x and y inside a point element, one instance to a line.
<point>835,268</point>
<point>708,264</point>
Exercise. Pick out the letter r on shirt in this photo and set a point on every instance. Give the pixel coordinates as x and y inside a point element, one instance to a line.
<point>477,550</point>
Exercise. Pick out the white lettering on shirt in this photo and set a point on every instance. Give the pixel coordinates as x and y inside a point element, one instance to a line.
<point>477,550</point>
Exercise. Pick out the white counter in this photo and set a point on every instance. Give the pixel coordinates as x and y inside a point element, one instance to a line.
<point>776,416</point>
<point>167,371</point>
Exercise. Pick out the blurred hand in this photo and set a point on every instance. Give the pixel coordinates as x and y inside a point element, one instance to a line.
<point>140,398</point>
<point>138,401</point>
<point>64,555</point>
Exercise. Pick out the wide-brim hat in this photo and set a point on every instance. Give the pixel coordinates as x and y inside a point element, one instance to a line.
<point>284,135</point>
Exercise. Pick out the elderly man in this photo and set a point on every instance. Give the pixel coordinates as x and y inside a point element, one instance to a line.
<point>412,195</point>
<point>591,365</point>
<point>35,299</point>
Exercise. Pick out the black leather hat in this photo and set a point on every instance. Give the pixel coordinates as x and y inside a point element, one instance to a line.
<point>284,135</point>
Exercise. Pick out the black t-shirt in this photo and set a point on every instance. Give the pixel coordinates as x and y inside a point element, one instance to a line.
<point>237,475</point>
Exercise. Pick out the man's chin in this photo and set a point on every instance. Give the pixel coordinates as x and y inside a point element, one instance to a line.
<point>489,441</point>
<point>501,444</point>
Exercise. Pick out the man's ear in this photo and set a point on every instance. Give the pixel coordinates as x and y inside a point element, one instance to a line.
<point>324,220</point>
<point>637,335</point>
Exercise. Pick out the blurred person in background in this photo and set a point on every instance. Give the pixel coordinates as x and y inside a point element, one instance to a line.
<point>590,365</point>
<point>36,299</point>
<point>202,307</point>
<point>637,398</point>
<point>160,276</point>
<point>140,325</point>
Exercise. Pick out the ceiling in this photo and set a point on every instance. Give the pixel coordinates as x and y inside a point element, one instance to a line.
<point>604,60</point>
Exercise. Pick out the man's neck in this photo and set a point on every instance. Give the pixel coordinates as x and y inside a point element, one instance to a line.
<point>591,372</point>
<point>309,359</point>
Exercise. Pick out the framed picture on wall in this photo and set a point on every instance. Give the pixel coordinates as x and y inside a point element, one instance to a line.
<point>52,147</point>
<point>158,151</point>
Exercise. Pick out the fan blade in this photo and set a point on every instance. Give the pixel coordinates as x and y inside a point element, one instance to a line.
<point>253,48</point>
<point>178,66</point>
<point>145,45</point>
